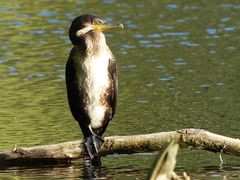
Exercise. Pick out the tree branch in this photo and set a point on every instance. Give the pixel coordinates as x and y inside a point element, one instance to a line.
<point>67,151</point>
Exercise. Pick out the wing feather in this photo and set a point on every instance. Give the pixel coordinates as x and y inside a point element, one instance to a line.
<point>112,69</point>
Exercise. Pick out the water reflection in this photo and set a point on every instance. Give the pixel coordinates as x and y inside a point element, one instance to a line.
<point>76,171</point>
<point>94,173</point>
<point>179,62</point>
<point>72,172</point>
<point>167,78</point>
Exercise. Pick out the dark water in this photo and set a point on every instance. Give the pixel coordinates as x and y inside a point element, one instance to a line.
<point>179,67</point>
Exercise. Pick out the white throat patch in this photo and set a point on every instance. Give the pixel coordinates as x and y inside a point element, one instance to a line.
<point>84,31</point>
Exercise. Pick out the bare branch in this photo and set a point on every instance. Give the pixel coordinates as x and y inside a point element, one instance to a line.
<point>67,151</point>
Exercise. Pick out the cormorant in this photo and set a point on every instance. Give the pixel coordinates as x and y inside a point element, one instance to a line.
<point>91,80</point>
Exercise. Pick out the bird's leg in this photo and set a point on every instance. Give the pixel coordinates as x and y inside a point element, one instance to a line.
<point>89,146</point>
<point>93,144</point>
<point>97,140</point>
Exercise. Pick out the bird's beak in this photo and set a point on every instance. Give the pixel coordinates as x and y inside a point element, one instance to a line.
<point>104,27</point>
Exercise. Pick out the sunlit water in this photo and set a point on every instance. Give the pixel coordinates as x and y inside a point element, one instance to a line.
<point>179,67</point>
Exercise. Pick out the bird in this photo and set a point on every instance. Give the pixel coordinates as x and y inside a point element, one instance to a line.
<point>91,81</point>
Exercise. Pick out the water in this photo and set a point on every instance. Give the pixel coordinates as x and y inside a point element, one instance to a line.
<point>178,67</point>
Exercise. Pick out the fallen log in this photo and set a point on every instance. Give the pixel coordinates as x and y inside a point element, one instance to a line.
<point>64,153</point>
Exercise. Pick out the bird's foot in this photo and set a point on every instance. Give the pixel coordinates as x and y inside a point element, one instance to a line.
<point>93,144</point>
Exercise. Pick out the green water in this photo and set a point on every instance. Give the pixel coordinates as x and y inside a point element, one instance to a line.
<point>179,67</point>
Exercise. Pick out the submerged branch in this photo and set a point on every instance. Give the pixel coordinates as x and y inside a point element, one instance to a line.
<point>67,151</point>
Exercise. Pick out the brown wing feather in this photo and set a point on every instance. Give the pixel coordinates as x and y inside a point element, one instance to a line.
<point>112,69</point>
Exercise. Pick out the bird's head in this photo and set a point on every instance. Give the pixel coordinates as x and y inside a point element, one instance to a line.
<point>83,24</point>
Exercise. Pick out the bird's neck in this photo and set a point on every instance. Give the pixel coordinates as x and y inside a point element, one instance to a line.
<point>95,43</point>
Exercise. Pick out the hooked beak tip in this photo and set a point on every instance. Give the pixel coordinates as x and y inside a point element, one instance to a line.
<point>121,26</point>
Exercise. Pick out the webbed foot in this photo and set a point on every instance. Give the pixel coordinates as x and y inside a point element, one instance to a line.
<point>93,144</point>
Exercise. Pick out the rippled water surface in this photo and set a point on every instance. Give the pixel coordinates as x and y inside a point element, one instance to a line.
<point>179,67</point>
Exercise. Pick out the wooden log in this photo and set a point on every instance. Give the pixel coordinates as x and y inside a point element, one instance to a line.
<point>67,151</point>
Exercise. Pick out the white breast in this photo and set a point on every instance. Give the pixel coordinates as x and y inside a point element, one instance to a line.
<point>94,80</point>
